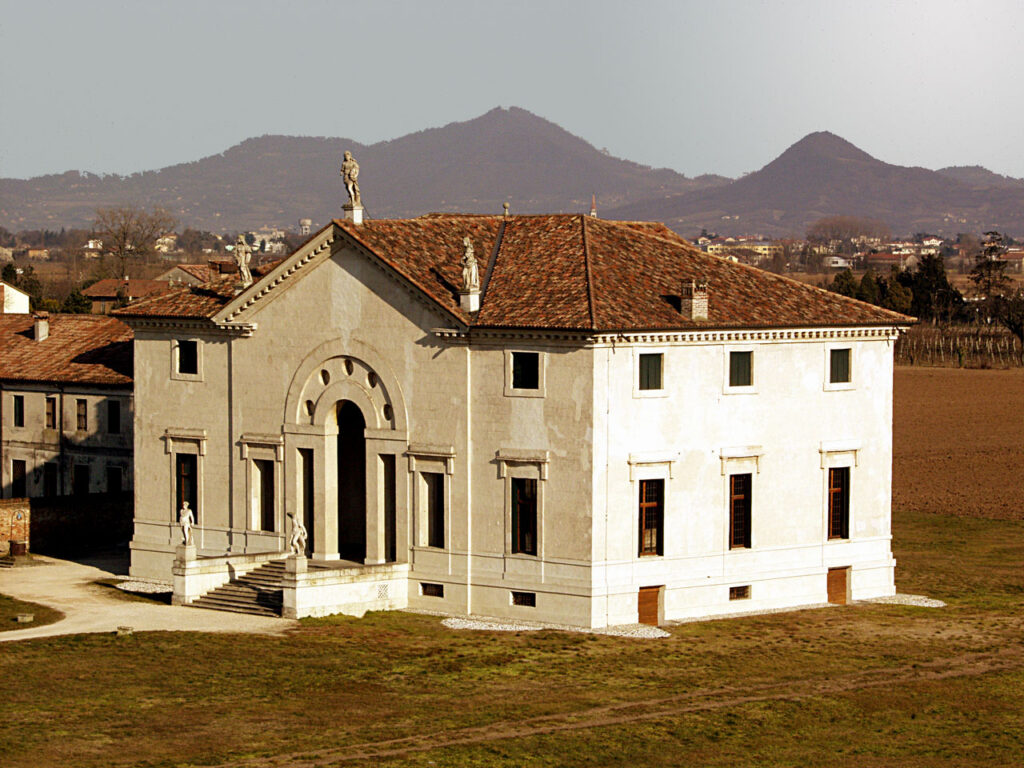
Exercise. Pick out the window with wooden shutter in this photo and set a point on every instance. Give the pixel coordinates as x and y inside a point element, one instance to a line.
<point>839,503</point>
<point>739,511</point>
<point>652,517</point>
<point>524,516</point>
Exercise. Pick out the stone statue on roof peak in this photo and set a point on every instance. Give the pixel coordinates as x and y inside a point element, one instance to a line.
<point>350,173</point>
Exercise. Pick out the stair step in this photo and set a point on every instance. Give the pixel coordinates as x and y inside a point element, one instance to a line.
<point>249,609</point>
<point>243,599</point>
<point>258,592</point>
<point>240,605</point>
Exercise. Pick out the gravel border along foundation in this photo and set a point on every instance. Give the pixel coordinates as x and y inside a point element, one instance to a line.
<point>498,625</point>
<point>919,600</point>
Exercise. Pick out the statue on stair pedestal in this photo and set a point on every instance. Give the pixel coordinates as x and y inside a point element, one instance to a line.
<point>299,538</point>
<point>186,519</point>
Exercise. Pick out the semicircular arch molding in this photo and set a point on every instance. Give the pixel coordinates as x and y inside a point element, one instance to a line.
<point>373,361</point>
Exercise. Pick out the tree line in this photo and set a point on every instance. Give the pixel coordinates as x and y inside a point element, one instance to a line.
<point>926,292</point>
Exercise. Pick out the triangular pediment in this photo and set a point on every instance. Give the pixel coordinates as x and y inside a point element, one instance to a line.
<point>309,257</point>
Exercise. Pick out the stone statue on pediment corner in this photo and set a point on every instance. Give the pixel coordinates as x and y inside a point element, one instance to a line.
<point>470,267</point>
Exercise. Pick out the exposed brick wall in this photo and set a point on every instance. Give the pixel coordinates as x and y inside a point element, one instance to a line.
<point>15,515</point>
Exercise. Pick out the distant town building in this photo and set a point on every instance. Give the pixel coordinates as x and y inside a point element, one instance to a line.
<point>167,243</point>
<point>305,226</point>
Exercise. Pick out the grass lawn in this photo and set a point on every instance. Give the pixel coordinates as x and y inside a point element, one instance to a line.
<point>874,685</point>
<point>861,685</point>
<point>10,608</point>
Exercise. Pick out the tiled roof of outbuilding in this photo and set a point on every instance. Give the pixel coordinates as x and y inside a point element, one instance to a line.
<point>80,349</point>
<point>191,301</point>
<point>567,272</point>
<point>132,288</point>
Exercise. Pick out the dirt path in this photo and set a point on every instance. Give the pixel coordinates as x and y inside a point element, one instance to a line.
<point>967,665</point>
<point>71,588</point>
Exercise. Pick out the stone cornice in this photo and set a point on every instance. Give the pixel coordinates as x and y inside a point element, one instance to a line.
<point>720,336</point>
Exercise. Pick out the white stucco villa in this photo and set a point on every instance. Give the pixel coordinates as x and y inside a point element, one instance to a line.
<point>594,424</point>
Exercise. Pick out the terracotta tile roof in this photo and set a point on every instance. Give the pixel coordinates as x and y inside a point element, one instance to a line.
<point>198,271</point>
<point>195,301</point>
<point>132,288</point>
<point>83,349</point>
<point>568,272</point>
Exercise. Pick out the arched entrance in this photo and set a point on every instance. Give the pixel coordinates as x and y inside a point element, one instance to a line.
<point>351,482</point>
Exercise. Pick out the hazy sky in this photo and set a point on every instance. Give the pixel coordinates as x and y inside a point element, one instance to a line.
<point>722,87</point>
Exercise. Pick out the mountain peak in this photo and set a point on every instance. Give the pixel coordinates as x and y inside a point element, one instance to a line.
<point>828,145</point>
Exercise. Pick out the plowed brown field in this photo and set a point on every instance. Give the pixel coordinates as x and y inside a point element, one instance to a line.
<point>958,442</point>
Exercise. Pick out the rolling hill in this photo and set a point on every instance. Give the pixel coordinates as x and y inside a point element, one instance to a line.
<point>825,175</point>
<point>513,155</point>
<point>473,166</point>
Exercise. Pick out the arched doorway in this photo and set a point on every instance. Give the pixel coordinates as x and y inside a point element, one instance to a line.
<point>351,482</point>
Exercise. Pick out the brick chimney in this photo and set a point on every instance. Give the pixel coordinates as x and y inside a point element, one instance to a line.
<point>41,325</point>
<point>694,299</point>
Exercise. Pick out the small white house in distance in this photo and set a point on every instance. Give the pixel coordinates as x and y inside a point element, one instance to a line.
<point>555,418</point>
<point>12,300</point>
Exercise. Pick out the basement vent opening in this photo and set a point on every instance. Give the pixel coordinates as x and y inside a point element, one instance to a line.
<point>525,598</point>
<point>431,590</point>
<point>739,593</point>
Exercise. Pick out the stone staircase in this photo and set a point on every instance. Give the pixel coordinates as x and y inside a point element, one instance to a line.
<point>6,561</point>
<point>258,592</point>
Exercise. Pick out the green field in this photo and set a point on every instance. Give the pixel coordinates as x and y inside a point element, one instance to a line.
<point>874,685</point>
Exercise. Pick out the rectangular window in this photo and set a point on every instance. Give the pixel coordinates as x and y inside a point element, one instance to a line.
<point>839,503</point>
<point>82,413</point>
<point>652,517</point>
<point>113,417</point>
<point>525,370</point>
<point>115,480</point>
<point>18,490</point>
<point>186,482</point>
<point>739,593</point>
<point>431,590</point>
<point>49,479</point>
<point>739,511</point>
<point>434,487</point>
<point>650,371</point>
<point>524,516</point>
<point>839,366</point>
<point>80,480</point>
<point>263,494</point>
<point>188,356</point>
<point>51,413</point>
<point>528,599</point>
<point>741,369</point>
<point>19,410</point>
